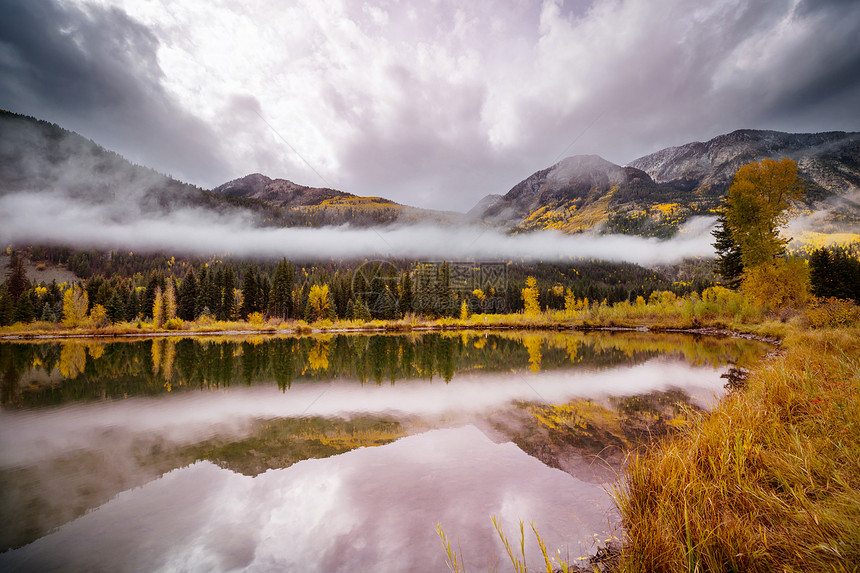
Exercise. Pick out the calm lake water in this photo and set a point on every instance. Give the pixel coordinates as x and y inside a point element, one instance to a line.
<point>330,452</point>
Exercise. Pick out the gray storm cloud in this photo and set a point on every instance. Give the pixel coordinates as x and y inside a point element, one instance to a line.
<point>55,219</point>
<point>430,103</point>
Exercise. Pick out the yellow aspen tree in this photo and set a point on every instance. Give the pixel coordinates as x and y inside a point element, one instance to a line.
<point>464,311</point>
<point>158,309</point>
<point>169,301</point>
<point>530,298</point>
<point>758,206</point>
<point>75,303</point>
<point>318,302</point>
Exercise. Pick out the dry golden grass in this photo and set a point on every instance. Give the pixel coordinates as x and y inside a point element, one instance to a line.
<point>769,481</point>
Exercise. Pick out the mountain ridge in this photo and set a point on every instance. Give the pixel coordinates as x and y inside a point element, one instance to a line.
<point>656,193</point>
<point>653,195</point>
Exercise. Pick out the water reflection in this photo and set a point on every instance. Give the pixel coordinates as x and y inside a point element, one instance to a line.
<point>367,510</point>
<point>43,374</point>
<point>84,424</point>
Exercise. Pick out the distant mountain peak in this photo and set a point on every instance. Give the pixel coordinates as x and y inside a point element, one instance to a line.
<point>654,194</point>
<point>590,168</point>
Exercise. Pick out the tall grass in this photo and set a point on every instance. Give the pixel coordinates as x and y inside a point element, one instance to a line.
<point>769,481</point>
<point>516,553</point>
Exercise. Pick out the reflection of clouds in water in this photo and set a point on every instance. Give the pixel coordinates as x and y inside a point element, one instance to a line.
<point>30,436</point>
<point>372,509</point>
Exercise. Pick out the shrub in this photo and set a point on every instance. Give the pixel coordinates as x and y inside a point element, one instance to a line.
<point>832,312</point>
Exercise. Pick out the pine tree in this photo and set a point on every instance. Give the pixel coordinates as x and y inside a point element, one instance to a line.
<point>280,297</point>
<point>132,306</point>
<point>202,291</point>
<point>729,264</point>
<point>48,313</point>
<point>228,306</point>
<point>406,293</point>
<point>250,293</point>
<point>156,281</point>
<point>187,297</point>
<point>115,308</point>
<point>24,310</point>
<point>6,307</point>
<point>17,282</point>
<point>821,273</point>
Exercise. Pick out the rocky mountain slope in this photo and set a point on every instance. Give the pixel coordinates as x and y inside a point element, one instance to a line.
<point>654,194</point>
<point>64,168</point>
<point>314,206</point>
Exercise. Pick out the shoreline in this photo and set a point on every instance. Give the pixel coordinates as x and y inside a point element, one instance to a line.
<point>711,331</point>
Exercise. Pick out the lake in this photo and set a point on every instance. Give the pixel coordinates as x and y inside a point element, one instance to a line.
<point>331,452</point>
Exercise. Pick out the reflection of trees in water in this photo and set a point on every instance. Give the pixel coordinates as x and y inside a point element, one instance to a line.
<point>85,370</point>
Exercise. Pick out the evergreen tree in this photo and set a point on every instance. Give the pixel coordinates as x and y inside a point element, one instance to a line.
<point>821,273</point>
<point>92,286</point>
<point>186,308</point>
<point>228,306</point>
<point>280,296</point>
<point>132,306</point>
<point>48,313</point>
<point>156,282</point>
<point>17,282</point>
<point>115,308</point>
<point>202,290</point>
<point>250,293</point>
<point>729,264</point>
<point>6,307</point>
<point>216,293</point>
<point>406,293</point>
<point>24,310</point>
<point>264,287</point>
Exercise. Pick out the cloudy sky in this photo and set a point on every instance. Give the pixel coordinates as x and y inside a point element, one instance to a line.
<point>434,102</point>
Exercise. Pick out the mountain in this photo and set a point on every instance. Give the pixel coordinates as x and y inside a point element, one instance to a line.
<point>586,192</point>
<point>70,171</point>
<point>830,160</point>
<point>315,206</point>
<point>654,194</point>
<point>38,157</point>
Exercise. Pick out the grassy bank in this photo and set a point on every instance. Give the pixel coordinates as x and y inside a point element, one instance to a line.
<point>716,308</point>
<point>768,481</point>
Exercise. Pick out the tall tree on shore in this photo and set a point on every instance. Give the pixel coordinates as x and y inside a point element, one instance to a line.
<point>187,298</point>
<point>250,293</point>
<point>17,282</point>
<point>228,305</point>
<point>730,267</point>
<point>758,206</point>
<point>281,295</point>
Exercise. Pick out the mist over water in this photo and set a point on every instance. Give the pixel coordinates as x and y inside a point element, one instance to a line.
<point>33,435</point>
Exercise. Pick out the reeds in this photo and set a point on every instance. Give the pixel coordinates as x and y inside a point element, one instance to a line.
<point>769,481</point>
